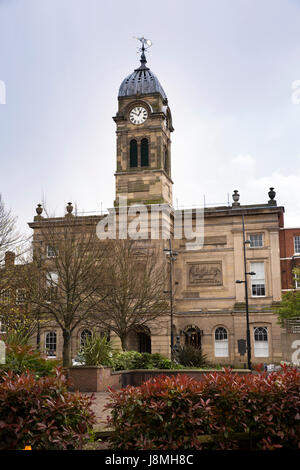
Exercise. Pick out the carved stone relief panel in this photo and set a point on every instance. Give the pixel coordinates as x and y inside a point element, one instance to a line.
<point>205,273</point>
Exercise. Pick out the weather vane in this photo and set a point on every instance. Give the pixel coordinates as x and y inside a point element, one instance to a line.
<point>145,42</point>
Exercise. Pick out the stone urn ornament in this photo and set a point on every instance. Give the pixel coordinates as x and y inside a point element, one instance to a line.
<point>272,195</point>
<point>236,198</point>
<point>39,211</point>
<point>69,208</point>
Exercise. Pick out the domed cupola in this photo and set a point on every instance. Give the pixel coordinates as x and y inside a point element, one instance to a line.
<point>141,82</point>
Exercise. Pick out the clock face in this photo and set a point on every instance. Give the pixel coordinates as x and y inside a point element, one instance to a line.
<point>138,115</point>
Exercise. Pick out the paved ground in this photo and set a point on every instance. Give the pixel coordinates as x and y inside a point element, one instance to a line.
<point>98,405</point>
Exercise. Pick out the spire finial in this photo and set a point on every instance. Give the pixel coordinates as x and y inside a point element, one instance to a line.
<point>142,49</point>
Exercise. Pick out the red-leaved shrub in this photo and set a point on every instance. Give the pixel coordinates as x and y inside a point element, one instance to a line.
<point>42,413</point>
<point>178,412</point>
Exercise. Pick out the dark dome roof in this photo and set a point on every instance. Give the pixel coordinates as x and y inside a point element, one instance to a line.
<point>141,81</point>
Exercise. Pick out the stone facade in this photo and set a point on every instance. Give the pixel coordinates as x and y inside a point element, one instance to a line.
<point>151,184</point>
<point>209,306</point>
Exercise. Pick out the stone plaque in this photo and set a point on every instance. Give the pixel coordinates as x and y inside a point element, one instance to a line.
<point>220,240</point>
<point>205,273</point>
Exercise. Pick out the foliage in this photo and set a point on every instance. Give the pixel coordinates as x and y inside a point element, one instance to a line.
<point>16,337</point>
<point>42,413</point>
<point>20,358</point>
<point>190,356</point>
<point>181,413</point>
<point>128,360</point>
<point>289,307</point>
<point>97,350</point>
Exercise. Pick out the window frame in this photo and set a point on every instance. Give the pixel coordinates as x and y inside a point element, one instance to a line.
<point>47,350</point>
<point>259,283</point>
<point>21,301</point>
<point>131,142</point>
<point>144,140</point>
<point>297,281</point>
<point>5,296</point>
<point>296,243</point>
<point>253,246</point>
<point>51,251</point>
<point>221,342</point>
<point>255,341</point>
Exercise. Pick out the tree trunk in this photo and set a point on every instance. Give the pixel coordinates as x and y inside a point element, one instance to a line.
<point>66,348</point>
<point>124,343</point>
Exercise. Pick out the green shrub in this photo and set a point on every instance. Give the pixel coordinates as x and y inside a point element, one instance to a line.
<point>128,360</point>
<point>16,337</point>
<point>180,413</point>
<point>42,413</point>
<point>190,356</point>
<point>124,360</point>
<point>22,358</point>
<point>97,350</point>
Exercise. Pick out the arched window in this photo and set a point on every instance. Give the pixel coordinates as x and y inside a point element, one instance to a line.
<point>83,336</point>
<point>261,343</point>
<point>166,159</point>
<point>133,154</point>
<point>51,343</point>
<point>221,342</point>
<point>144,152</point>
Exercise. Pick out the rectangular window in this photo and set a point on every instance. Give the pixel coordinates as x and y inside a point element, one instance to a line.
<point>256,240</point>
<point>51,251</point>
<point>52,279</point>
<point>51,285</point>
<point>258,279</point>
<point>297,281</point>
<point>297,244</point>
<point>20,296</point>
<point>221,348</point>
<point>5,296</point>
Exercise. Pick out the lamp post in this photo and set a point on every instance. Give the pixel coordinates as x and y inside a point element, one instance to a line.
<point>172,256</point>
<point>38,333</point>
<point>245,281</point>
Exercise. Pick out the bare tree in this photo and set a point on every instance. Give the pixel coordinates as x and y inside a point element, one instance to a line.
<point>134,289</point>
<point>9,236</point>
<point>65,281</point>
<point>13,312</point>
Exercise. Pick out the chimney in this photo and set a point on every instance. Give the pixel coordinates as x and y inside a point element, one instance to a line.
<point>9,258</point>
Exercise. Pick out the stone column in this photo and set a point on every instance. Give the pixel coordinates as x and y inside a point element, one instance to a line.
<point>238,264</point>
<point>275,265</point>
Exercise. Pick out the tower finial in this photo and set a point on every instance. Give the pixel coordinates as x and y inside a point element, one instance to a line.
<point>142,49</point>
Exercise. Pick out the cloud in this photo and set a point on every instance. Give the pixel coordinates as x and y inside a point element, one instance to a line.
<point>252,185</point>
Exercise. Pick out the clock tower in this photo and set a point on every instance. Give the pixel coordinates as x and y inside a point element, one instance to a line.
<point>144,126</point>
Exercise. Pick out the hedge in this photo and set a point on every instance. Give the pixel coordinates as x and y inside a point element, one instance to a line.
<point>42,413</point>
<point>179,412</point>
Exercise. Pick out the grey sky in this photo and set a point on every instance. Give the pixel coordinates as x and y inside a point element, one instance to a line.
<point>227,68</point>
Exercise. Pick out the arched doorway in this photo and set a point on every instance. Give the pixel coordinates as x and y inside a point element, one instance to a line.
<point>144,339</point>
<point>192,336</point>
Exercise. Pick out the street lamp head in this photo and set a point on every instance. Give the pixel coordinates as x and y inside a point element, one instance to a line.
<point>239,282</point>
<point>251,273</point>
